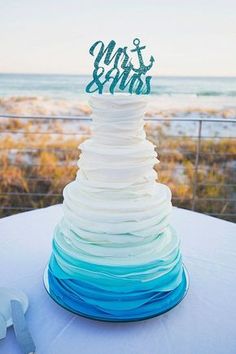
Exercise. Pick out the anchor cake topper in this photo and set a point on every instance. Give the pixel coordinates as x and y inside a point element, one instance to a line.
<point>121,73</point>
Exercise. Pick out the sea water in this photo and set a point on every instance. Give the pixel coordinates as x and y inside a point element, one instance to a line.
<point>72,86</point>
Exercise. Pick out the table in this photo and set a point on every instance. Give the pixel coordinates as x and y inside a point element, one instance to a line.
<point>204,323</point>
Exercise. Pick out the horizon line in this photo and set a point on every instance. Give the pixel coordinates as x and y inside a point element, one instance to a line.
<point>86,74</point>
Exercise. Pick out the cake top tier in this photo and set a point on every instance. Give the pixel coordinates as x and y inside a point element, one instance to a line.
<point>118,101</point>
<point>124,105</point>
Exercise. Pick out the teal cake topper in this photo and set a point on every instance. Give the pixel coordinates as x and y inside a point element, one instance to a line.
<point>114,70</point>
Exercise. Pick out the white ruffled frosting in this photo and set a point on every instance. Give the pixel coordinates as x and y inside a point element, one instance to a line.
<point>115,211</point>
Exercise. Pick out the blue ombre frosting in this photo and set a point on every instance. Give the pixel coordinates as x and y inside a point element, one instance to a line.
<point>115,256</point>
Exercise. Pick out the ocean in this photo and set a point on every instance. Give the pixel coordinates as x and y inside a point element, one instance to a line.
<point>71,86</point>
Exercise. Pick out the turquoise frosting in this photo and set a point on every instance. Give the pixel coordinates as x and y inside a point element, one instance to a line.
<point>113,302</point>
<point>116,292</point>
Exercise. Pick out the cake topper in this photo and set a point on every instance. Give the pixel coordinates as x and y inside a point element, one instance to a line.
<point>121,73</point>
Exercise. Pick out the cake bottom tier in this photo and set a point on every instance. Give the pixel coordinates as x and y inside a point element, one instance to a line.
<point>114,303</point>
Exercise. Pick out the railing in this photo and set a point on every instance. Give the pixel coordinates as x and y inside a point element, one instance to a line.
<point>196,153</point>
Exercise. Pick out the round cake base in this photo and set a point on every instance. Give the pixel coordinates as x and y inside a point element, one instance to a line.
<point>59,302</point>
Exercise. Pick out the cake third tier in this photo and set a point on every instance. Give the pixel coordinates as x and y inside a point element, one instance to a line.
<point>115,256</point>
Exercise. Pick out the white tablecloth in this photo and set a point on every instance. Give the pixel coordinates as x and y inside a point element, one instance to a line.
<point>204,323</point>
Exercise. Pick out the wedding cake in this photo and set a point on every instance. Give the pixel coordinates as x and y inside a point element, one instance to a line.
<point>115,256</point>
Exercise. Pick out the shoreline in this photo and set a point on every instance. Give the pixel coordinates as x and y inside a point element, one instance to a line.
<point>162,107</point>
<point>221,106</point>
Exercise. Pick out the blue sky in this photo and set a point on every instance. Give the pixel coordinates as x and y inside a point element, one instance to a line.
<point>193,37</point>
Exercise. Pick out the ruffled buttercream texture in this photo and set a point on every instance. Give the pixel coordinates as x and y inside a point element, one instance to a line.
<point>115,255</point>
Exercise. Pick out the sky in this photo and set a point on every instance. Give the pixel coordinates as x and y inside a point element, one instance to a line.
<point>186,37</point>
